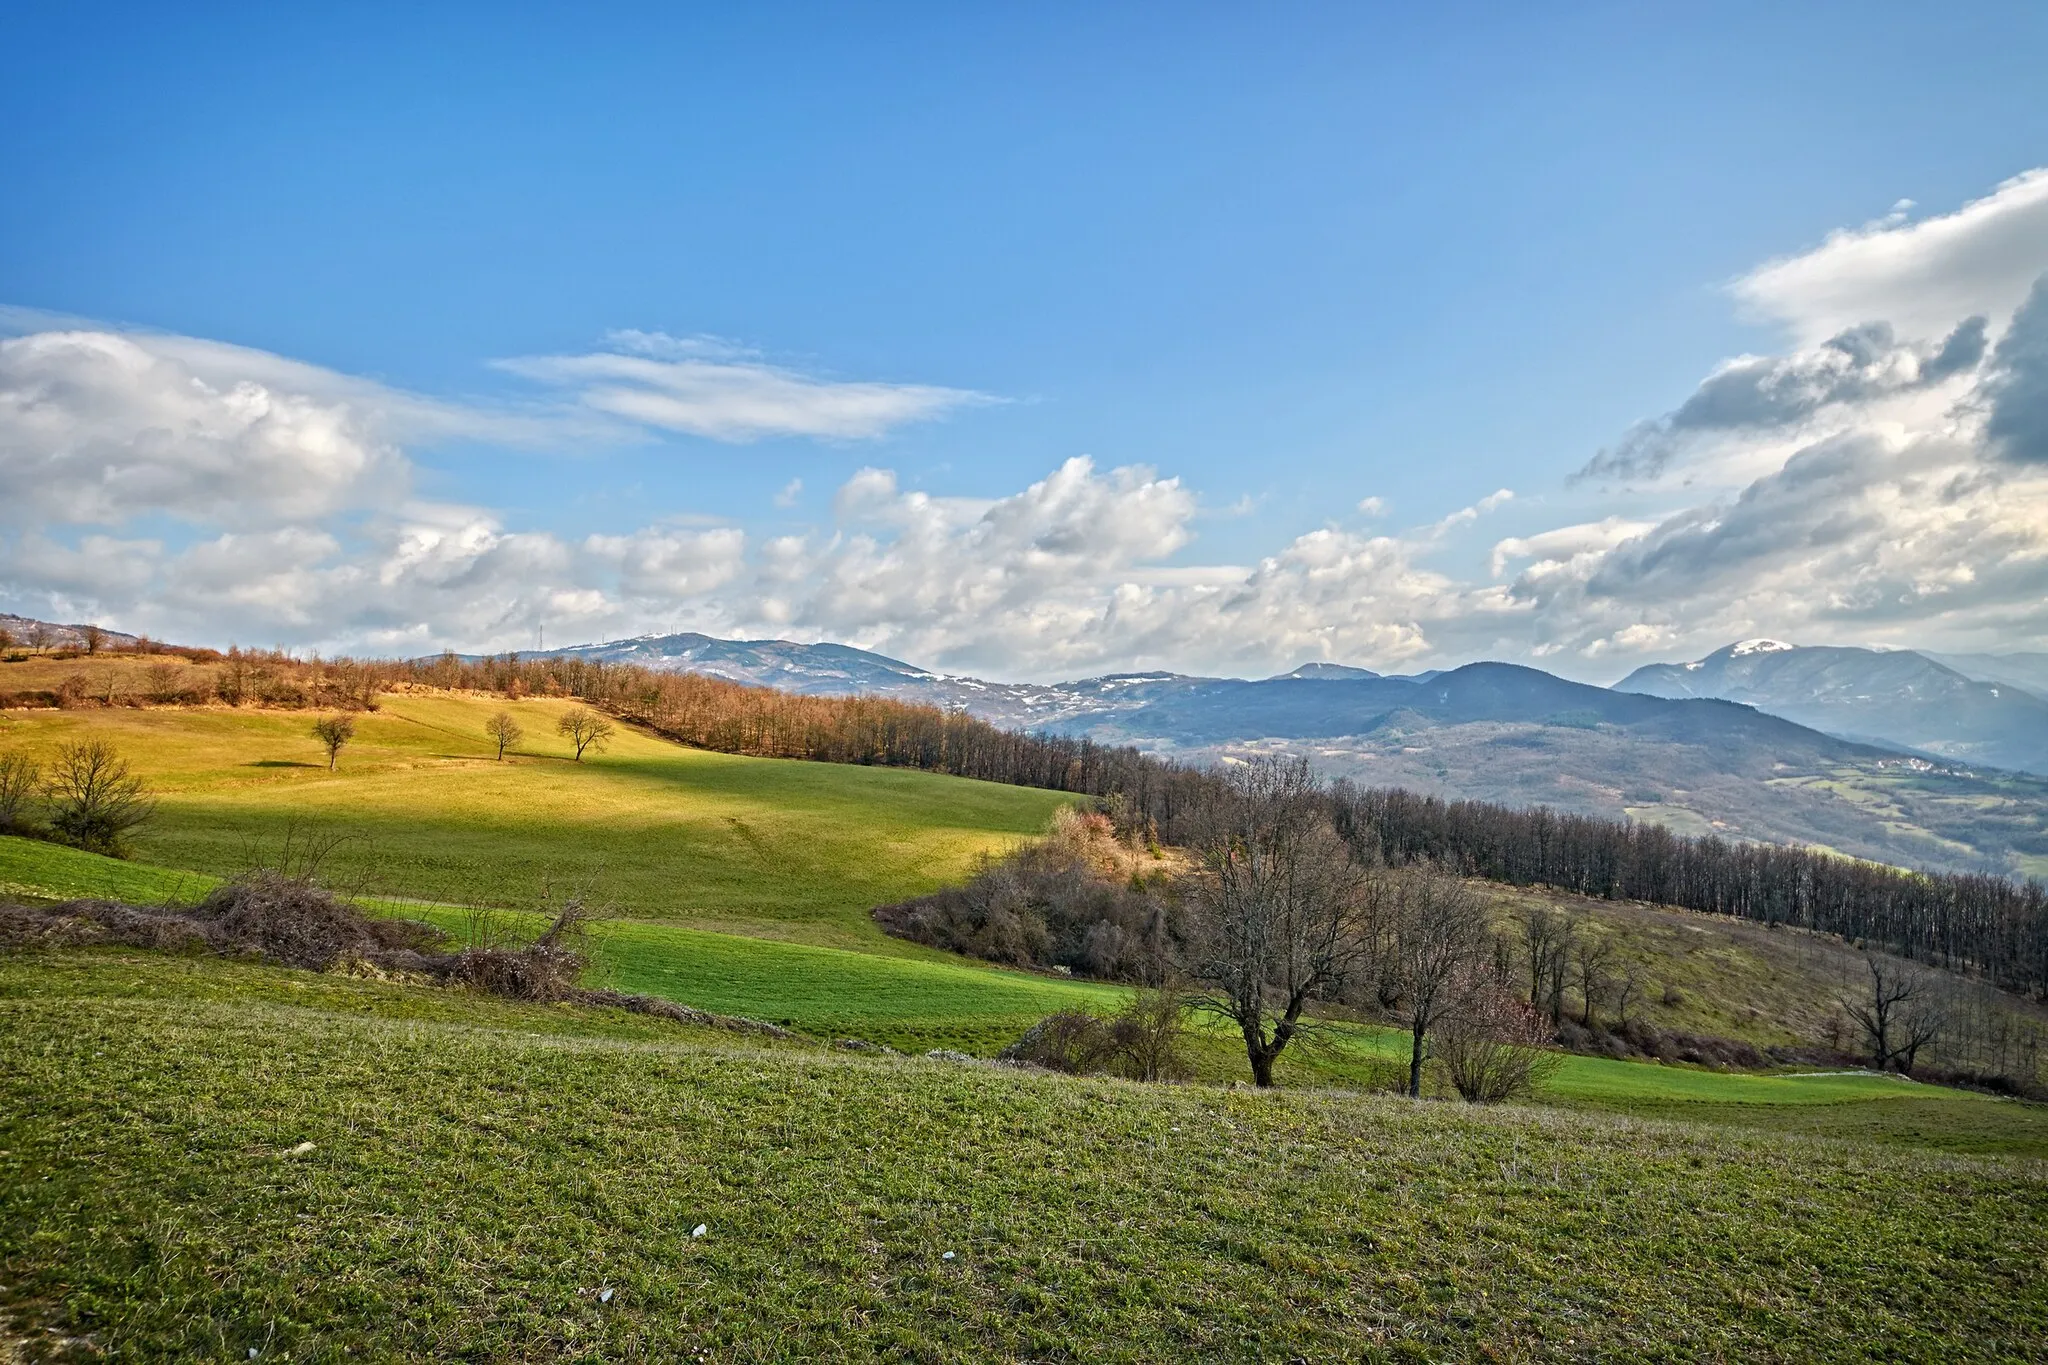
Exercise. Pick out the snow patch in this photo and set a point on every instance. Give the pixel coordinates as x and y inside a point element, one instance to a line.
<point>1742,647</point>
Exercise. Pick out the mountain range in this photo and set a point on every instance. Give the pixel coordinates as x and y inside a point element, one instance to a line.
<point>1970,708</point>
<point>1886,755</point>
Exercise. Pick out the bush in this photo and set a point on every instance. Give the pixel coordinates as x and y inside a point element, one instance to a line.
<point>1047,905</point>
<point>96,802</point>
<point>1142,1042</point>
<point>1490,1048</point>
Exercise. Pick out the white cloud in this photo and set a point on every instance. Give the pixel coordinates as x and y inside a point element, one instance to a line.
<point>704,387</point>
<point>97,428</point>
<point>1883,479</point>
<point>1922,277</point>
<point>789,493</point>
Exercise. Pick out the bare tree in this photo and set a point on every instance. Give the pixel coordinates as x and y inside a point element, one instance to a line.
<point>21,779</point>
<point>1286,911</point>
<point>585,729</point>
<point>1148,1035</point>
<point>1592,957</point>
<point>1627,987</point>
<point>6,639</point>
<point>96,801</point>
<point>166,681</point>
<point>94,638</point>
<point>504,732</point>
<point>1440,942</point>
<point>1548,938</point>
<point>40,635</point>
<point>333,732</point>
<point>1900,1011</point>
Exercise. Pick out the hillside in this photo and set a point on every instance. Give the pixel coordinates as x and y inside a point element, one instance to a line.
<point>1486,731</point>
<point>650,828</point>
<point>202,1159</point>
<point>1896,697</point>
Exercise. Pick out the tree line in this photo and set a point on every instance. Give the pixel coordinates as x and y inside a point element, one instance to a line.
<point>1984,923</point>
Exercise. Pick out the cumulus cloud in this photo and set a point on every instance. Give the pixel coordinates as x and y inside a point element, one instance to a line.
<point>1881,478</point>
<point>1920,277</point>
<point>705,387</point>
<point>97,428</point>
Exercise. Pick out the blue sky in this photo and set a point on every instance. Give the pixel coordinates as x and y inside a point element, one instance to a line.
<point>1291,259</point>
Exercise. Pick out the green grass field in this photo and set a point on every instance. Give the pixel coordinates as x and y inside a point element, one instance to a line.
<point>742,887</point>
<point>757,846</point>
<point>481,1174</point>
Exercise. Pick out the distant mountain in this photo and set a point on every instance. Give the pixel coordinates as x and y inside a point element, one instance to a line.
<point>842,671</point>
<point>1898,697</point>
<point>24,631</point>
<point>2027,671</point>
<point>1488,731</point>
<point>1322,672</point>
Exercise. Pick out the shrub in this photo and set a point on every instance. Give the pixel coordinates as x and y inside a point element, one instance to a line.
<point>96,802</point>
<point>1490,1048</point>
<point>1142,1042</point>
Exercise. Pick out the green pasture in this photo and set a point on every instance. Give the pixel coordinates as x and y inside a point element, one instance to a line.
<point>770,848</point>
<point>916,1005</point>
<point>203,1159</point>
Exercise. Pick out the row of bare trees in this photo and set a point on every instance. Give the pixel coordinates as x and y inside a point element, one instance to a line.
<point>1295,924</point>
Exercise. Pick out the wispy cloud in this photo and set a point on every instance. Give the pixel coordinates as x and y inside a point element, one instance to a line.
<point>706,386</point>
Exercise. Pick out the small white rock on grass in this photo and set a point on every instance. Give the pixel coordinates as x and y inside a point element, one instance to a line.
<point>700,1229</point>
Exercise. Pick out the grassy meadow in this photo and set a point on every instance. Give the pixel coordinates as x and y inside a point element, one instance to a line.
<point>762,847</point>
<point>494,1181</point>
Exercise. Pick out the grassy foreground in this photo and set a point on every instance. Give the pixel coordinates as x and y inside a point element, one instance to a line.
<point>481,1174</point>
<point>915,1005</point>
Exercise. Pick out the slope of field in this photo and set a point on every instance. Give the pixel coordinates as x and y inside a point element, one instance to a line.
<point>769,848</point>
<point>528,1183</point>
<point>956,1004</point>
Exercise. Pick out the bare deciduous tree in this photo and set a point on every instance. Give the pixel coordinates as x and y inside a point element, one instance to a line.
<point>1592,958</point>
<point>40,636</point>
<point>333,732</point>
<point>1440,942</point>
<point>585,729</point>
<point>1287,912</point>
<point>1900,1010</point>
<point>6,639</point>
<point>94,638</point>
<point>503,732</point>
<point>96,801</point>
<point>21,779</point>
<point>166,681</point>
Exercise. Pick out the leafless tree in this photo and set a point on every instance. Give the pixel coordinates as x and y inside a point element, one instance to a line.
<point>96,801</point>
<point>1628,985</point>
<point>166,680</point>
<point>40,636</point>
<point>333,732</point>
<point>1440,943</point>
<point>503,732</point>
<point>21,779</point>
<point>1286,910</point>
<point>94,638</point>
<point>1547,939</point>
<point>1900,1010</point>
<point>6,639</point>
<point>585,729</point>
<point>1592,959</point>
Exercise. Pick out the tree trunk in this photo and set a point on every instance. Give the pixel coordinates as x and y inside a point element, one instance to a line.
<point>1262,1067</point>
<point>1415,1065</point>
